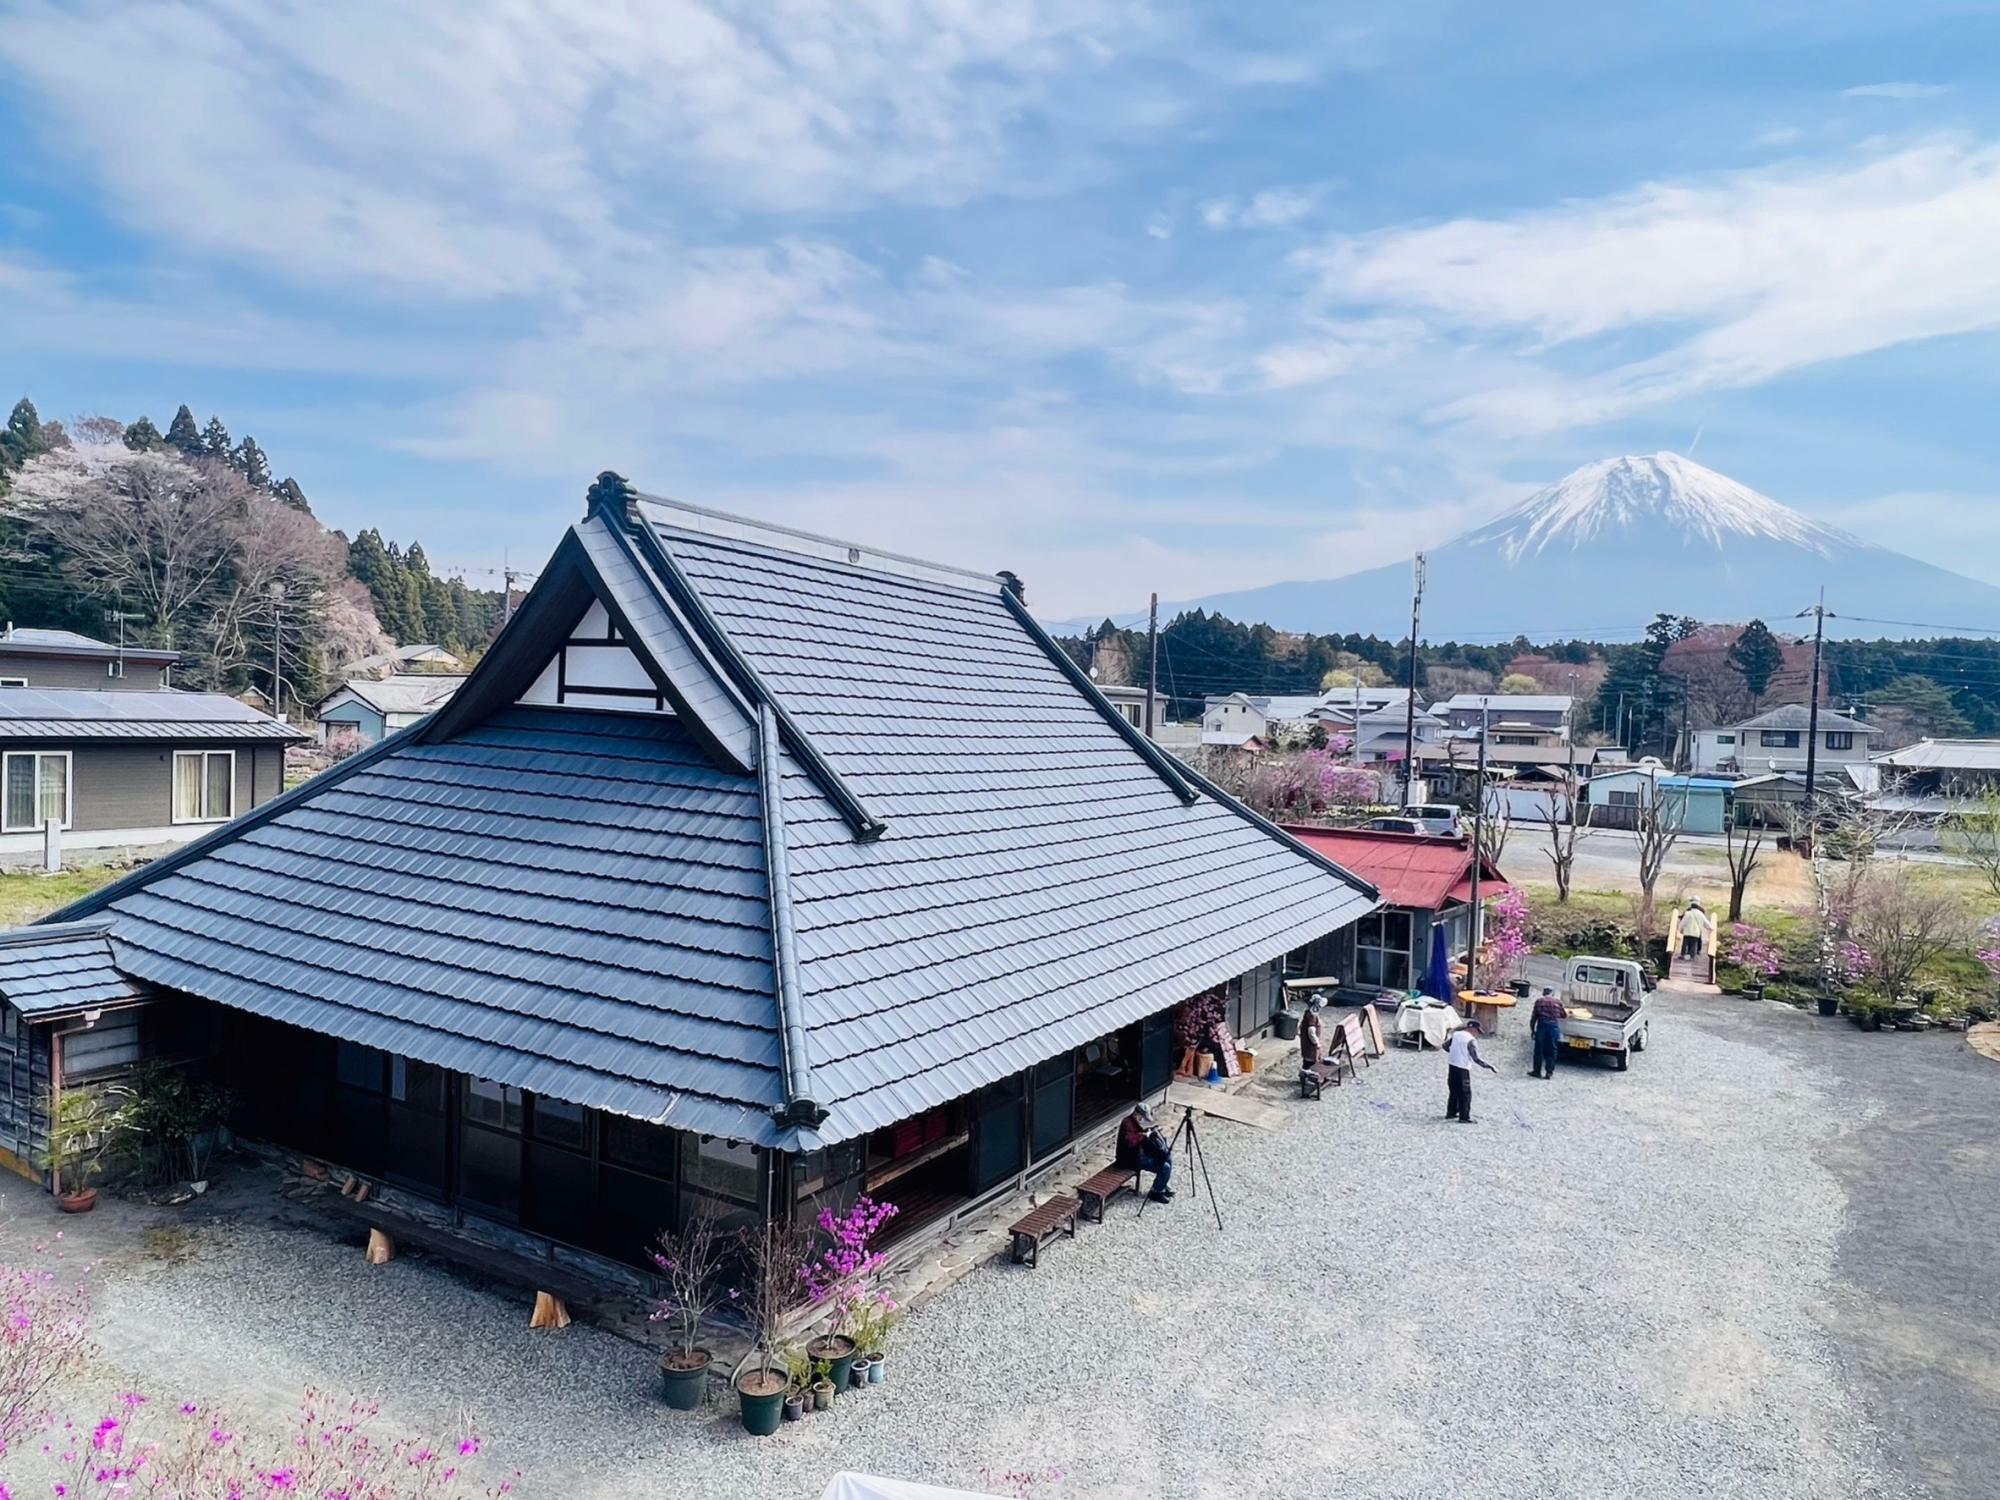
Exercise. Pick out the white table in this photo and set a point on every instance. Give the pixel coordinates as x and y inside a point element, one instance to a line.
<point>1430,1021</point>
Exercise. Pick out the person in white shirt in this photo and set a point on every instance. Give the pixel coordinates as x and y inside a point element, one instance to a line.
<point>1461,1056</point>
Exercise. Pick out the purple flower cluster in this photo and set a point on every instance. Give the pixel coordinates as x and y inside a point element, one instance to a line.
<point>1750,947</point>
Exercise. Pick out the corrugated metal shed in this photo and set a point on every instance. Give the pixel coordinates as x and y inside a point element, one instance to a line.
<point>62,968</point>
<point>64,714</point>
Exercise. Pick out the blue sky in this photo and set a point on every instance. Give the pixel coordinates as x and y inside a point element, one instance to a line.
<point>1120,295</point>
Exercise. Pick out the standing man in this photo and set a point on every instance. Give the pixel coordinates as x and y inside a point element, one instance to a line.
<point>1547,1021</point>
<point>1461,1056</point>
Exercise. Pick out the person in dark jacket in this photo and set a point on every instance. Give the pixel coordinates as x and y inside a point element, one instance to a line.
<point>1141,1144</point>
<point>1547,1019</point>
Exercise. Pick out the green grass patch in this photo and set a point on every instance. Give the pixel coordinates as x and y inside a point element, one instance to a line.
<point>26,896</point>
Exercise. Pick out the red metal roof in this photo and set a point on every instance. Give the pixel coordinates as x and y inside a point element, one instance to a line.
<point>1426,871</point>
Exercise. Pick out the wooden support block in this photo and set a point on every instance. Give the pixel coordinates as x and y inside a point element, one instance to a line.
<point>549,1312</point>
<point>381,1249</point>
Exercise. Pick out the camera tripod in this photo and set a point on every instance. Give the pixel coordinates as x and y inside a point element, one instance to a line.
<point>1196,1161</point>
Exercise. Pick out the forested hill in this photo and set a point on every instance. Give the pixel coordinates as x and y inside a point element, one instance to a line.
<point>186,539</point>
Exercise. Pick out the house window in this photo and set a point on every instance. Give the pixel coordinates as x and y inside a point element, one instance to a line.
<point>1382,950</point>
<point>37,790</point>
<point>1725,739</point>
<point>1516,739</point>
<point>1840,739</point>
<point>1621,799</point>
<point>204,786</point>
<point>7,682</point>
<point>1778,739</point>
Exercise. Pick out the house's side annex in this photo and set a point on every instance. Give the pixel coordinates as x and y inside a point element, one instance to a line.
<point>695,897</point>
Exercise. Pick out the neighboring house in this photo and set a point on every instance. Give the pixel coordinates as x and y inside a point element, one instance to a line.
<point>368,708</point>
<point>1452,765</point>
<point>64,659</point>
<point>402,659</point>
<point>1616,798</point>
<point>1425,881</point>
<point>1775,798</point>
<point>698,896</point>
<point>1776,741</point>
<point>127,771</point>
<point>1378,735</point>
<point>1518,719</point>
<point>1936,778</point>
<point>1131,702</point>
<point>1271,718</point>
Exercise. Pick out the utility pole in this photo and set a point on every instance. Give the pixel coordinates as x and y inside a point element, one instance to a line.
<point>1819,613</point>
<point>1478,853</point>
<point>1417,570</point>
<point>1152,660</point>
<point>277,650</point>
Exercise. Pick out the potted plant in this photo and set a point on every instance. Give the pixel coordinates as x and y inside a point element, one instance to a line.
<point>874,1322</point>
<point>842,1275</point>
<point>1829,1005</point>
<point>777,1253</point>
<point>822,1386</point>
<point>798,1383</point>
<point>81,1123</point>
<point>690,1262</point>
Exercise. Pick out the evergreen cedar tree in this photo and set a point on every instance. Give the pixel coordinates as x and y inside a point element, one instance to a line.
<point>1756,656</point>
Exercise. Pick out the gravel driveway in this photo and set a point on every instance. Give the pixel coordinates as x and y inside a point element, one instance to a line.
<point>1612,1284</point>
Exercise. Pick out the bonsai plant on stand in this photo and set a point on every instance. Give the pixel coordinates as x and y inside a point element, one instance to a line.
<point>81,1122</point>
<point>690,1262</point>
<point>777,1254</point>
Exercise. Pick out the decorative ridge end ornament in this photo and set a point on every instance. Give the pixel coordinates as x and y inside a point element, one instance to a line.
<point>611,496</point>
<point>1011,582</point>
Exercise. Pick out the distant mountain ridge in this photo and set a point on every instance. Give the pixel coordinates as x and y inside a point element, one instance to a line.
<point>1600,552</point>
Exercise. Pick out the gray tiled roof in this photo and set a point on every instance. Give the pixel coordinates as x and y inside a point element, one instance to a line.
<point>32,639</point>
<point>572,902</point>
<point>69,714</point>
<point>61,968</point>
<point>1798,716</point>
<point>1039,884</point>
<point>980,863</point>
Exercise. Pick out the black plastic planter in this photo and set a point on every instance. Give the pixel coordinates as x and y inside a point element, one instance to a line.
<point>1829,1005</point>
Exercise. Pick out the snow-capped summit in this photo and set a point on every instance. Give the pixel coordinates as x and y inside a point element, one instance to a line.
<point>1600,552</point>
<point>1661,495</point>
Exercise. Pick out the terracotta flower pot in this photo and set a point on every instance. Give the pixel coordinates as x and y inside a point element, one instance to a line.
<point>81,1202</point>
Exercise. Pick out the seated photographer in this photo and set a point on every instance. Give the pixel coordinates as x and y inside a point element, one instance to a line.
<point>1141,1144</point>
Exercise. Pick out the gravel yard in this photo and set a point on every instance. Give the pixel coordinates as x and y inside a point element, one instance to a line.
<point>1653,1283</point>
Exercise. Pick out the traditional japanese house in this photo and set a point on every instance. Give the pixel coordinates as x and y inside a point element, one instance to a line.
<point>746,869</point>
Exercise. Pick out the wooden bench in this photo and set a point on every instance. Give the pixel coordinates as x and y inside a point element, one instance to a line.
<point>1098,1189</point>
<point>1314,1079</point>
<point>1039,1225</point>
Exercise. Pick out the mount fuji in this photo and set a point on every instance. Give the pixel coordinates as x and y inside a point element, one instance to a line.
<point>1599,553</point>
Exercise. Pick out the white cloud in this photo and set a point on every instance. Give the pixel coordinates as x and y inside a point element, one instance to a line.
<point>1270,208</point>
<point>1743,276</point>
<point>1896,91</point>
<point>480,152</point>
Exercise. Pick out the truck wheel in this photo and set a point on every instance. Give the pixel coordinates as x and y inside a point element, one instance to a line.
<point>1639,1041</point>
<point>1621,1060</point>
